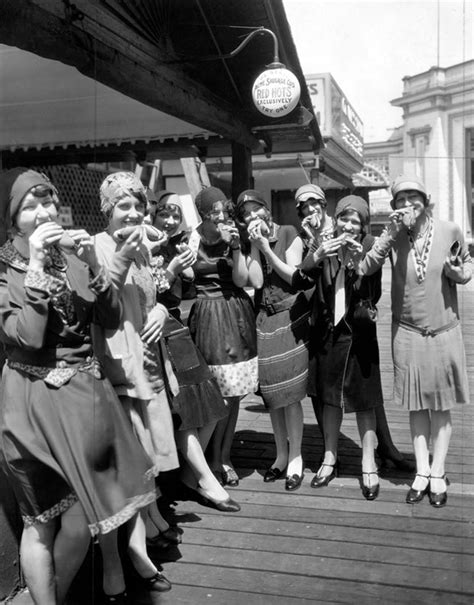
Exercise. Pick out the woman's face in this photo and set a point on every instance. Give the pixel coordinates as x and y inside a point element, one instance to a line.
<point>168,219</point>
<point>219,213</point>
<point>313,212</point>
<point>349,222</point>
<point>411,199</point>
<point>38,206</point>
<point>128,211</point>
<point>252,211</point>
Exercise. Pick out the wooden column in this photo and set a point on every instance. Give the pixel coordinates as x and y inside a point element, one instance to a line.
<point>241,169</point>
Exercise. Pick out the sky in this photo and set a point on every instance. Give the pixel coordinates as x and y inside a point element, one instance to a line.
<point>370,45</point>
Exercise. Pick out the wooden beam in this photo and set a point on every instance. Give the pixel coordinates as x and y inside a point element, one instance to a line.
<point>196,175</point>
<point>241,170</point>
<point>102,55</point>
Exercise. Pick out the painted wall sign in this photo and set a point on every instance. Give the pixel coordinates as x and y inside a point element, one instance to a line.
<point>276,92</point>
<point>336,116</point>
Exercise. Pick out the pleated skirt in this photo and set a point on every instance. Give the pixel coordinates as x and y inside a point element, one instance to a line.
<point>429,371</point>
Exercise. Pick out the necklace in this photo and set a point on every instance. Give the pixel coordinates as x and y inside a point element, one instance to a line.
<point>421,246</point>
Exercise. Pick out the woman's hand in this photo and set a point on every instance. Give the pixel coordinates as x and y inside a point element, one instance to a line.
<point>403,218</point>
<point>153,328</point>
<point>84,248</point>
<point>234,241</point>
<point>44,236</point>
<point>132,244</point>
<point>257,235</point>
<point>327,249</point>
<point>353,250</point>
<point>311,225</point>
<point>183,260</point>
<point>454,271</point>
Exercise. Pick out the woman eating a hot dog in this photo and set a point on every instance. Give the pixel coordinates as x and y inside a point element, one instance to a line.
<point>133,355</point>
<point>73,462</point>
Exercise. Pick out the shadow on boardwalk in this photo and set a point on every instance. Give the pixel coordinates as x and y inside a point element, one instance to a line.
<point>327,545</point>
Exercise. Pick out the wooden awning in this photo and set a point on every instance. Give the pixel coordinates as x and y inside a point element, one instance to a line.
<point>144,61</point>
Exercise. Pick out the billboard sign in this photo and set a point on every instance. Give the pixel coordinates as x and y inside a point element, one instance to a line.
<point>336,117</point>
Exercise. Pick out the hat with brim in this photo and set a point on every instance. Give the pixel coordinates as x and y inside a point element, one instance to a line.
<point>407,183</point>
<point>310,192</point>
<point>250,195</point>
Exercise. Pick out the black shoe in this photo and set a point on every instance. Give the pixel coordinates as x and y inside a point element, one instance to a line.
<point>414,496</point>
<point>438,500</point>
<point>167,538</point>
<point>157,583</point>
<point>230,477</point>
<point>370,492</point>
<point>272,474</point>
<point>398,461</point>
<point>226,506</point>
<point>293,482</point>
<point>322,481</point>
<point>121,598</point>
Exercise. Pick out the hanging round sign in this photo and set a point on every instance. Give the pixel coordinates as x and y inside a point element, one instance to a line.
<point>276,92</point>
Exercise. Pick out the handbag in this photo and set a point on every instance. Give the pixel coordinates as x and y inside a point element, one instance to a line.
<point>365,311</point>
<point>181,350</point>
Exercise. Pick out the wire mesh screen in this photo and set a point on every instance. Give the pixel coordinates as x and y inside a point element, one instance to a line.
<point>79,189</point>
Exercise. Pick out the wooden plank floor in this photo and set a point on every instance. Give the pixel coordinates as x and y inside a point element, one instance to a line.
<point>328,545</point>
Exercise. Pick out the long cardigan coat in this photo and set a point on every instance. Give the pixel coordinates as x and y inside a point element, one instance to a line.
<point>344,366</point>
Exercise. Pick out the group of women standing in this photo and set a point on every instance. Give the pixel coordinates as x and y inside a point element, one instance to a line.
<point>104,385</point>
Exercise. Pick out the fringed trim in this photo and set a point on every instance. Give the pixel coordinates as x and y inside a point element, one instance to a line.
<point>152,472</point>
<point>51,513</point>
<point>115,521</point>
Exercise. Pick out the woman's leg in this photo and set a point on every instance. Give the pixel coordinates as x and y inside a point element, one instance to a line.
<point>113,581</point>
<point>229,431</point>
<point>70,548</point>
<point>197,472</point>
<point>420,426</point>
<point>137,546</point>
<point>318,412</point>
<point>366,424</point>
<point>294,430</point>
<point>441,429</point>
<point>205,434</point>
<point>155,523</point>
<point>280,434</point>
<point>332,420</point>
<point>37,561</point>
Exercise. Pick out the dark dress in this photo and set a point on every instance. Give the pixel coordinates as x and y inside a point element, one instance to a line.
<point>344,365</point>
<point>64,435</point>
<point>282,331</point>
<point>199,401</point>
<point>222,322</point>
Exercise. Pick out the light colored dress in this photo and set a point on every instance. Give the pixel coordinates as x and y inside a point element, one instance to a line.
<point>427,346</point>
<point>140,374</point>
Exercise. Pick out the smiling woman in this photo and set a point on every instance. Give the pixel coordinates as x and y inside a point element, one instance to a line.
<point>70,455</point>
<point>135,360</point>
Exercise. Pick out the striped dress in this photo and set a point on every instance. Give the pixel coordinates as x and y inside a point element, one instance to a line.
<point>282,331</point>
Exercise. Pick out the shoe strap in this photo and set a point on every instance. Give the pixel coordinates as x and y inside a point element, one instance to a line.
<point>424,476</point>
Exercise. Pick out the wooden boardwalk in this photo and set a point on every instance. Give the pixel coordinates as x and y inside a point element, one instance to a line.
<point>328,545</point>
